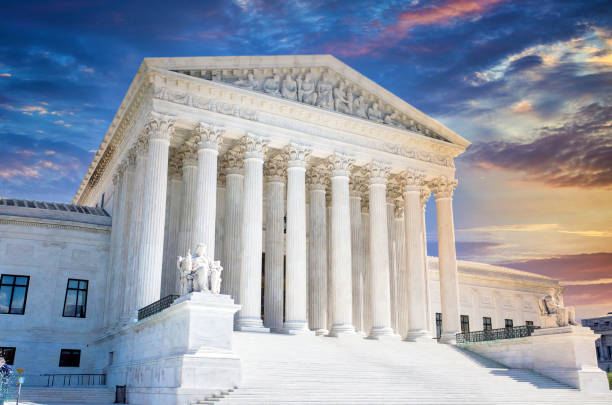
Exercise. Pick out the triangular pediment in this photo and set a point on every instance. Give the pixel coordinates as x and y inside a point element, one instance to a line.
<point>321,81</point>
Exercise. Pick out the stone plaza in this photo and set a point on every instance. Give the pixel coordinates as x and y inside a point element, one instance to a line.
<point>300,186</point>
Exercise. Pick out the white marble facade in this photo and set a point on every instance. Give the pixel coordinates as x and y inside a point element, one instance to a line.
<point>298,159</point>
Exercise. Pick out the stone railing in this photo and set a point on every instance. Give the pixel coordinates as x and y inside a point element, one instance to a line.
<point>496,334</point>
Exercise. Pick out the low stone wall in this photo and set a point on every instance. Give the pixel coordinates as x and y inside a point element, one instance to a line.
<point>179,355</point>
<point>565,354</point>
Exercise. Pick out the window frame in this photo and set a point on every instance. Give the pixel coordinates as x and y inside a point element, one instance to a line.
<point>10,360</point>
<point>487,325</point>
<point>528,323</point>
<point>506,323</point>
<point>464,321</point>
<point>78,289</point>
<point>62,351</point>
<point>438,325</point>
<point>13,285</point>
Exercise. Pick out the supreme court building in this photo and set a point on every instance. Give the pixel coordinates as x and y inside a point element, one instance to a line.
<point>305,179</point>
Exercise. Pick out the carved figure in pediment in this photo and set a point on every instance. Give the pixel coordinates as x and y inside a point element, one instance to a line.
<point>360,107</point>
<point>394,119</point>
<point>349,99</point>
<point>374,113</point>
<point>306,89</point>
<point>272,85</point>
<point>325,88</point>
<point>248,83</point>
<point>289,88</point>
<point>341,102</point>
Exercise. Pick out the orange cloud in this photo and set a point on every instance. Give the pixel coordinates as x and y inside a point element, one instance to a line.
<point>522,107</point>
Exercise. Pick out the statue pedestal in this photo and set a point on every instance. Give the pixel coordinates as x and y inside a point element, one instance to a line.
<point>180,355</point>
<point>565,354</point>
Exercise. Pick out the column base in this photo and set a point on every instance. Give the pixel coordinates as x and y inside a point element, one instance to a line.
<point>295,327</point>
<point>340,330</point>
<point>250,325</point>
<point>448,338</point>
<point>321,332</point>
<point>381,333</point>
<point>419,336</point>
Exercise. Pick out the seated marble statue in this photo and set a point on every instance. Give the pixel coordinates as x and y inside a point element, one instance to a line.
<point>325,97</point>
<point>341,102</point>
<point>289,88</point>
<point>306,89</point>
<point>249,83</point>
<point>554,314</point>
<point>374,113</point>
<point>198,272</point>
<point>272,85</point>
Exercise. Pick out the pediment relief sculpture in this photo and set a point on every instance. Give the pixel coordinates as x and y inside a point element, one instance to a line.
<point>319,87</point>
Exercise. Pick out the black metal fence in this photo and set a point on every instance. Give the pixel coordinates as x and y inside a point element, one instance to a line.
<point>156,307</point>
<point>74,379</point>
<point>496,334</point>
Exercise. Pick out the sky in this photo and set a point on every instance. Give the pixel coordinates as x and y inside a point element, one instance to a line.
<point>528,83</point>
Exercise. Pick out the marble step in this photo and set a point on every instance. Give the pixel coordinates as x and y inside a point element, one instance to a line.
<point>66,395</point>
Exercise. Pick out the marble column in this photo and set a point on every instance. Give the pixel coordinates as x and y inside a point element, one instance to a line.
<point>208,138</point>
<point>318,177</point>
<point>415,284</point>
<point>249,317</point>
<point>366,312</point>
<point>220,214</point>
<point>425,194</point>
<point>449,279</point>
<point>392,193</point>
<point>379,251</point>
<point>159,129</point>
<point>341,267</point>
<point>400,271</point>
<point>112,281</point>
<point>357,185</point>
<point>170,275</point>
<point>133,246</point>
<point>296,301</point>
<point>275,170</point>
<point>232,245</point>
<point>190,177</point>
<point>328,233</point>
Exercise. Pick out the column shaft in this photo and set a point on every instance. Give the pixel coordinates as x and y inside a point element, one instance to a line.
<point>341,266</point>
<point>232,246</point>
<point>220,219</point>
<point>170,275</point>
<point>317,274</point>
<point>357,254</point>
<point>190,177</point>
<point>449,280</point>
<point>275,250</point>
<point>367,274</point>
<point>400,272</point>
<point>379,253</point>
<point>112,283</point>
<point>249,317</point>
<point>296,301</point>
<point>392,262</point>
<point>160,130</point>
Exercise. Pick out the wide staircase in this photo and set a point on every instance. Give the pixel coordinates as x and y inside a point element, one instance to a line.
<point>63,396</point>
<point>306,369</point>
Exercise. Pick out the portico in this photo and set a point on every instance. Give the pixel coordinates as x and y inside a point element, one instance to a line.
<point>280,150</point>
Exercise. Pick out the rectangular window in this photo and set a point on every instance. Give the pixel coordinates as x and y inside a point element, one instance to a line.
<point>438,325</point>
<point>465,324</point>
<point>13,294</point>
<point>75,302</point>
<point>486,323</point>
<point>509,323</point>
<point>529,323</point>
<point>70,358</point>
<point>9,354</point>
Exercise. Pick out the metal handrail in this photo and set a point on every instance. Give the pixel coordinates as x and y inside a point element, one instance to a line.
<point>79,379</point>
<point>496,334</point>
<point>156,307</point>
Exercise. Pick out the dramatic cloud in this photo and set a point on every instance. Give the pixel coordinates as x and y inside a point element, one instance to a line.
<point>577,153</point>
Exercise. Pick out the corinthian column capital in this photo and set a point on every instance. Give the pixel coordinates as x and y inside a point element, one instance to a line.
<point>340,164</point>
<point>189,153</point>
<point>377,172</point>
<point>175,166</point>
<point>159,126</point>
<point>297,155</point>
<point>275,168</point>
<point>208,136</point>
<point>443,187</point>
<point>412,180</point>
<point>318,177</point>
<point>232,161</point>
<point>425,193</point>
<point>254,146</point>
<point>357,186</point>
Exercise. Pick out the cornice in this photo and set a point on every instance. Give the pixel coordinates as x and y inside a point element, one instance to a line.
<point>52,224</point>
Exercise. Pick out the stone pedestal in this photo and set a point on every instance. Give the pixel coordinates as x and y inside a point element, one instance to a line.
<point>180,355</point>
<point>565,354</point>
